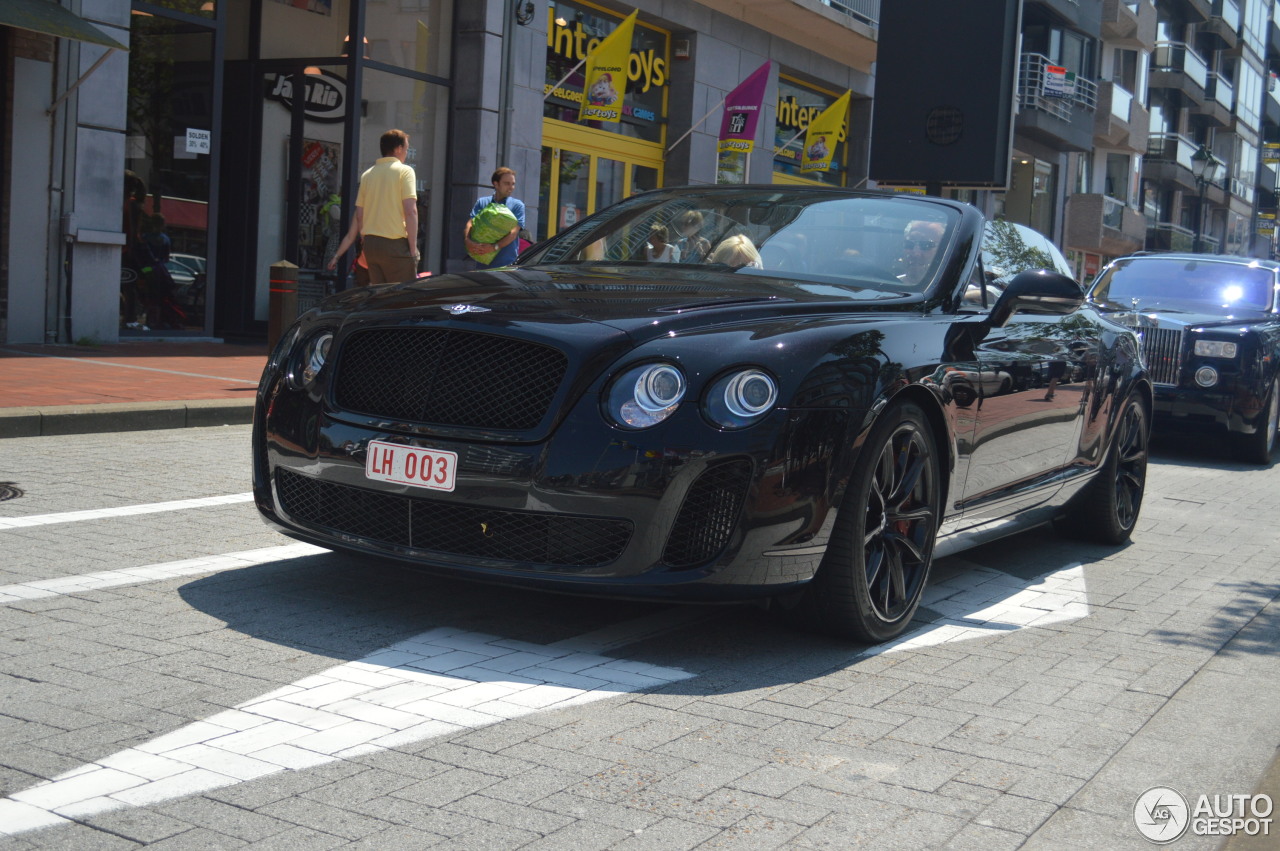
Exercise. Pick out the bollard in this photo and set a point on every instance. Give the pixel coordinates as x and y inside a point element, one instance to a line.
<point>282,307</point>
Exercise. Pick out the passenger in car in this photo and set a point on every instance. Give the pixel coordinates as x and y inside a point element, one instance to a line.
<point>694,247</point>
<point>659,249</point>
<point>737,250</point>
<point>920,243</point>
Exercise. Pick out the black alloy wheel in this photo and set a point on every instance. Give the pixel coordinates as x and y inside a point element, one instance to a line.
<point>1256,448</point>
<point>1106,511</point>
<point>869,584</point>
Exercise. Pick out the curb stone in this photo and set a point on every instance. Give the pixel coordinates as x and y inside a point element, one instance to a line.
<point>124,416</point>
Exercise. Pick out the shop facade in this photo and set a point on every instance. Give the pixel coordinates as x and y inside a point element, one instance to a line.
<point>151,193</point>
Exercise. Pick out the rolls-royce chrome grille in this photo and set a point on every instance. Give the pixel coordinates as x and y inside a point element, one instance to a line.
<point>447,377</point>
<point>1162,348</point>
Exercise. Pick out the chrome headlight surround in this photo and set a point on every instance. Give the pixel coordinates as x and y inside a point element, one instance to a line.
<point>1216,349</point>
<point>741,397</point>
<point>1206,376</point>
<point>645,395</point>
<point>308,360</point>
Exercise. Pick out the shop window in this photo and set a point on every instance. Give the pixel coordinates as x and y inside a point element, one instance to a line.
<point>164,284</point>
<point>572,28</point>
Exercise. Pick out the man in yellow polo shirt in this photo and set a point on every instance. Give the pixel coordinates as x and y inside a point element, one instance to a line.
<point>387,210</point>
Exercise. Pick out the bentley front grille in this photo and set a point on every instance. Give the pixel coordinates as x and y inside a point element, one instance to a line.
<point>442,527</point>
<point>708,515</point>
<point>447,377</point>
<point>1162,348</point>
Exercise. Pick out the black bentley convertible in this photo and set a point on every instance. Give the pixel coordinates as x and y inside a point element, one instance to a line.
<point>1210,328</point>
<point>797,395</point>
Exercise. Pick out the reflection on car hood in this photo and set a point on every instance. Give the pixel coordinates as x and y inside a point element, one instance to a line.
<point>623,297</point>
<point>1174,318</point>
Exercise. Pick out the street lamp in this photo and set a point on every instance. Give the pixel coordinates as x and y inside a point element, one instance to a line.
<point>1204,167</point>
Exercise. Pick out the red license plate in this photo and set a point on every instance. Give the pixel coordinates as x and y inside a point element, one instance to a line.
<point>411,465</point>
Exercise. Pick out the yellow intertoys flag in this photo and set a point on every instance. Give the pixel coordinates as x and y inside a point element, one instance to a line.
<point>606,75</point>
<point>822,134</point>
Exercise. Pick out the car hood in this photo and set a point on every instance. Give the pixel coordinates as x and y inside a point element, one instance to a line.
<point>1177,318</point>
<point>630,299</point>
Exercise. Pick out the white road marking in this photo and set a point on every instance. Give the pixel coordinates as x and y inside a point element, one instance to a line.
<point>121,511</point>
<point>448,680</point>
<point>978,601</point>
<point>42,588</point>
<point>439,682</point>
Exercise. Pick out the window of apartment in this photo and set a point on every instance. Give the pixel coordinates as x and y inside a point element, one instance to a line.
<point>1249,82</point>
<point>1116,181</point>
<point>1084,174</point>
<point>1073,51</point>
<point>1257,17</point>
<point>1245,168</point>
<point>1155,201</point>
<point>1124,69</point>
<point>1163,118</point>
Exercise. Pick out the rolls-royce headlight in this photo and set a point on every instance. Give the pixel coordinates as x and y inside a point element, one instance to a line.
<point>1206,376</point>
<point>740,398</point>
<point>1215,349</point>
<point>309,360</point>
<point>646,395</point>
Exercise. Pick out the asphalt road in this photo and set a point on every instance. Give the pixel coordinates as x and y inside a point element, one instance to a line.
<point>187,678</point>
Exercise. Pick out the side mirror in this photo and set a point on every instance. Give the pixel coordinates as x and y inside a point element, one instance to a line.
<point>1041,291</point>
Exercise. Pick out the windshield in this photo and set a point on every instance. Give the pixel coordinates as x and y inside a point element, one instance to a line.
<point>1204,286</point>
<point>827,242</point>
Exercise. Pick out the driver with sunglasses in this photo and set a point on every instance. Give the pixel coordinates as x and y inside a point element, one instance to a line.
<point>919,245</point>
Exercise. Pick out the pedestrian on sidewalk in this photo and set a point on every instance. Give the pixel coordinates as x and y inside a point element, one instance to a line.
<point>359,266</point>
<point>504,183</point>
<point>386,214</point>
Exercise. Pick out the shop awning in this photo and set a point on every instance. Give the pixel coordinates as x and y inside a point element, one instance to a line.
<point>46,16</point>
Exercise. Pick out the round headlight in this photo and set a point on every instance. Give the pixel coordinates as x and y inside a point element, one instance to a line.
<point>646,395</point>
<point>1206,376</point>
<point>311,360</point>
<point>740,398</point>
<point>658,388</point>
<point>750,393</point>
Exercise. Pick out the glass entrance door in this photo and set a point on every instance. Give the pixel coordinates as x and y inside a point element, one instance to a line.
<point>301,184</point>
<point>164,284</point>
<point>587,170</point>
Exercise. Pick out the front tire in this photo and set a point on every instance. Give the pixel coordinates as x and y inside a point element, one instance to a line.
<point>1107,509</point>
<point>1256,448</point>
<point>869,584</point>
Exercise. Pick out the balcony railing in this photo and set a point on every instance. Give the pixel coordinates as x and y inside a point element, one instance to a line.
<point>1166,236</point>
<point>867,11</point>
<point>1268,174</point>
<point>1112,212</point>
<point>1229,12</point>
<point>1243,189</point>
<point>1179,56</point>
<point>1220,89</point>
<point>1121,102</point>
<point>1172,147</point>
<point>1034,81</point>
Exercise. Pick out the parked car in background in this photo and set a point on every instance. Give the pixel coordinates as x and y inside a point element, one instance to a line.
<point>1210,332</point>
<point>808,426</point>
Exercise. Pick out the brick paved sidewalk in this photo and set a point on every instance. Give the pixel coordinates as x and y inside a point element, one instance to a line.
<point>66,389</point>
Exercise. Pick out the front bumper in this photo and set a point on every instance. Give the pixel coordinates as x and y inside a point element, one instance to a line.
<point>680,510</point>
<point>1233,406</point>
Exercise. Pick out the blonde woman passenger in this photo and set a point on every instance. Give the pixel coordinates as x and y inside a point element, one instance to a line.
<point>738,251</point>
